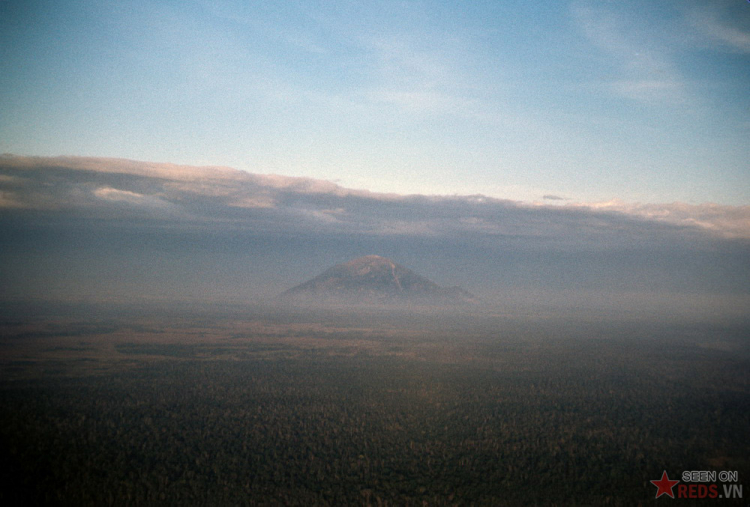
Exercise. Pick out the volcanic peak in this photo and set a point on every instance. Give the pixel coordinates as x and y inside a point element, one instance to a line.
<point>375,279</point>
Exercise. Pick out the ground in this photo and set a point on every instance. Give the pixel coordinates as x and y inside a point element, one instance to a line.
<point>256,406</point>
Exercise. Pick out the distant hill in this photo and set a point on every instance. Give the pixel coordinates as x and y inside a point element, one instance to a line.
<point>375,280</point>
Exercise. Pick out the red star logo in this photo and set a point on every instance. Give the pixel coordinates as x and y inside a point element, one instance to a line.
<point>664,485</point>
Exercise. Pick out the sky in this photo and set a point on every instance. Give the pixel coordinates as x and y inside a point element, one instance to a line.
<point>635,104</point>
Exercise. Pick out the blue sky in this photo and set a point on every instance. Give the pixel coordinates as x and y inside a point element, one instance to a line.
<point>643,102</point>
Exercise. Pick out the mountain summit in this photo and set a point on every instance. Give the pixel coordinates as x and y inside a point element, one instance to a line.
<point>375,279</point>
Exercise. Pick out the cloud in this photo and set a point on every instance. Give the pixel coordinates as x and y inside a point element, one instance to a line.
<point>125,196</point>
<point>715,21</point>
<point>641,58</point>
<point>417,70</point>
<point>726,221</point>
<point>118,189</point>
<point>8,200</point>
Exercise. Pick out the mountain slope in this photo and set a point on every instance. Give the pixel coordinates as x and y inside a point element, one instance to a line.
<point>374,279</point>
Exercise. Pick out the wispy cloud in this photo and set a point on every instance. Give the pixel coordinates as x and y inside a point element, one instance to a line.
<point>646,72</point>
<point>416,70</point>
<point>715,21</point>
<point>112,194</point>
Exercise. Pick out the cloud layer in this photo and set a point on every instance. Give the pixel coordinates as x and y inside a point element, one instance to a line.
<point>121,189</point>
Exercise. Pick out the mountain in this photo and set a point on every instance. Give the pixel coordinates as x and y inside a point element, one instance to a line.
<point>375,280</point>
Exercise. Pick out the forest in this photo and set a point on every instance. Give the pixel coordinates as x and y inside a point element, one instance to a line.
<point>228,412</point>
